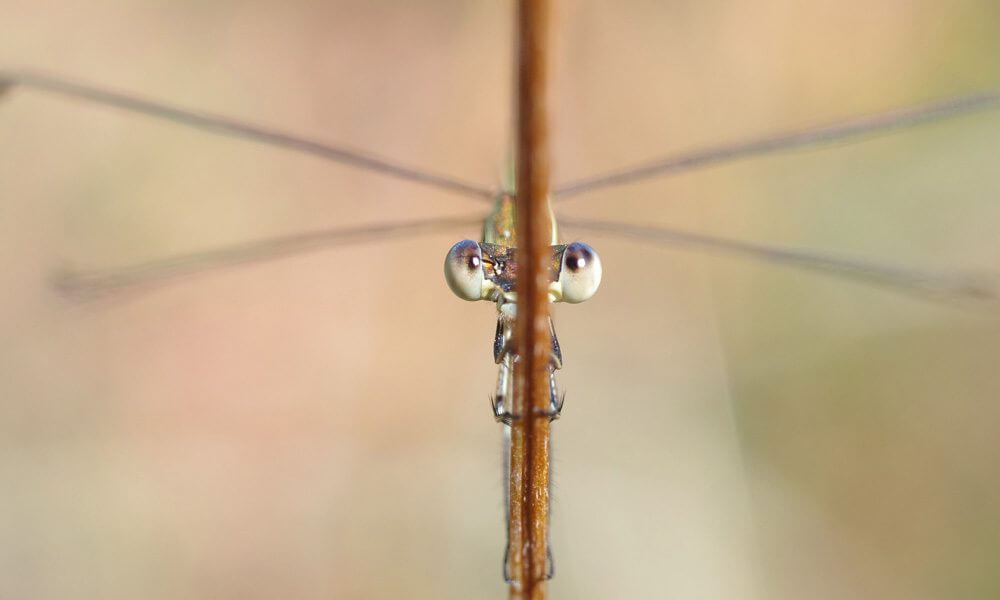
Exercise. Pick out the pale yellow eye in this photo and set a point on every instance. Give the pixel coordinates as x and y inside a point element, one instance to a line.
<point>463,270</point>
<point>580,275</point>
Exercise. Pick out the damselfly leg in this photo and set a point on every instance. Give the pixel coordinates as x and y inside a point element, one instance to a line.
<point>505,357</point>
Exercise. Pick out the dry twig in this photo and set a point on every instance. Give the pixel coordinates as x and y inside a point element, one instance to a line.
<point>529,460</point>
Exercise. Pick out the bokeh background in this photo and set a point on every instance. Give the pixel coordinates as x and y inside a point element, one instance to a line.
<point>317,426</point>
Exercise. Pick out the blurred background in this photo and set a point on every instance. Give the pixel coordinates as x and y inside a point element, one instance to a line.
<point>317,426</point>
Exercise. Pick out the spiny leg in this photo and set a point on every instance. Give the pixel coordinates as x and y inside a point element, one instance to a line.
<point>503,355</point>
<point>501,412</point>
<point>556,400</point>
<point>498,402</point>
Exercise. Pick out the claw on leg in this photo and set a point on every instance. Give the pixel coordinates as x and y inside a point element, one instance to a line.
<point>502,415</point>
<point>555,408</point>
<point>500,412</point>
<point>550,564</point>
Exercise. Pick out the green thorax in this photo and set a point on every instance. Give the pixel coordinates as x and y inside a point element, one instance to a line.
<point>500,226</point>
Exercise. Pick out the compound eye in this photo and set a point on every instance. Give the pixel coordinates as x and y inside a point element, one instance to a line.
<point>581,273</point>
<point>463,269</point>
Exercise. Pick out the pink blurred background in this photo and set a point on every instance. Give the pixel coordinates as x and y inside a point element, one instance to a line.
<point>317,426</point>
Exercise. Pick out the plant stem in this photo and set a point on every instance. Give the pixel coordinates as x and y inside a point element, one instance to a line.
<point>529,464</point>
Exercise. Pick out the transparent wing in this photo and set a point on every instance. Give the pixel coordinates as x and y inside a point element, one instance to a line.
<point>850,130</point>
<point>102,282</point>
<point>228,127</point>
<point>947,285</point>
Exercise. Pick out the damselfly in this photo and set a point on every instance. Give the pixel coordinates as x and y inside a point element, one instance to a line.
<point>184,434</point>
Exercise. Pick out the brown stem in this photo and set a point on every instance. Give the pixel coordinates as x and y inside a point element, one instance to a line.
<point>529,475</point>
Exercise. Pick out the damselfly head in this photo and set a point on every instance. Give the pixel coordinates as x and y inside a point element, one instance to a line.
<point>580,275</point>
<point>463,270</point>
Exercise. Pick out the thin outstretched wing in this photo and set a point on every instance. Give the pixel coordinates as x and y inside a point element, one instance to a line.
<point>228,127</point>
<point>103,282</point>
<point>937,284</point>
<point>853,129</point>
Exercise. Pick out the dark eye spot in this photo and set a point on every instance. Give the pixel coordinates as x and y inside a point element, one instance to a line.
<point>577,257</point>
<point>466,253</point>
